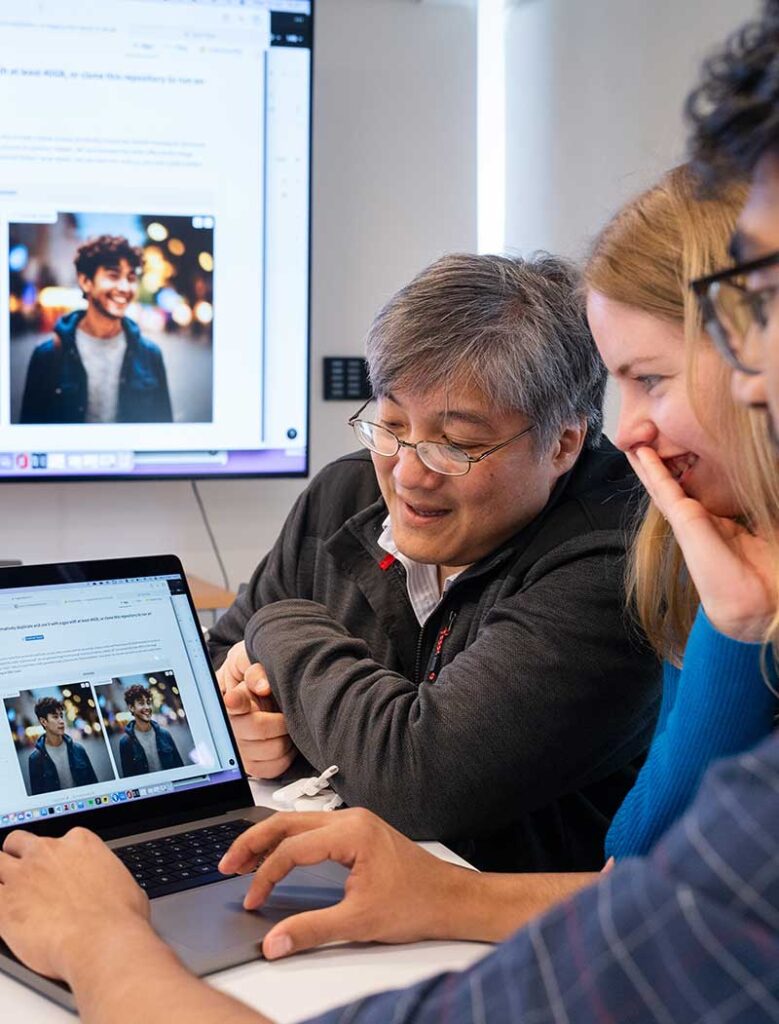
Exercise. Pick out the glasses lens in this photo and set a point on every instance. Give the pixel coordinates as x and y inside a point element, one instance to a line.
<point>375,438</point>
<point>739,320</point>
<point>443,458</point>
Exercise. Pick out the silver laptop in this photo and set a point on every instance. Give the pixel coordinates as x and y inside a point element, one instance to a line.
<point>111,718</point>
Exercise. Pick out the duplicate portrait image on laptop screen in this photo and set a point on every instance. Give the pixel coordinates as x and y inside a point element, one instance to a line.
<point>106,697</point>
<point>155,206</point>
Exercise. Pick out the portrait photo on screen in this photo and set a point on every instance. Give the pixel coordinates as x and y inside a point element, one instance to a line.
<point>146,723</point>
<point>111,319</point>
<point>58,738</point>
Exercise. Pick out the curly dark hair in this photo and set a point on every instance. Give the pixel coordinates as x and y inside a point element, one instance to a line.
<point>48,706</point>
<point>734,112</point>
<point>135,693</point>
<point>106,251</point>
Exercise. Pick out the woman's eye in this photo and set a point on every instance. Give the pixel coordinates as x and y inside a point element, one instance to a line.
<point>649,381</point>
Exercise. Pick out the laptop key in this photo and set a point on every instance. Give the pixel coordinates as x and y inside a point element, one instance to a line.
<point>182,861</point>
<point>182,884</point>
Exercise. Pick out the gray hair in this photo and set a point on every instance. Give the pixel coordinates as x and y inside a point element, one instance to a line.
<point>515,329</point>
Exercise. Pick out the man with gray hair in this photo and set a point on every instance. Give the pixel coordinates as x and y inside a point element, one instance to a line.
<point>443,615</point>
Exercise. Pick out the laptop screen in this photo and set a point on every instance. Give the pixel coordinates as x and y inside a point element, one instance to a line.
<point>106,697</point>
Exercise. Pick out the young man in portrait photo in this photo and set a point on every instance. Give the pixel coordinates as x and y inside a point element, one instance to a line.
<point>98,367</point>
<point>57,761</point>
<point>145,746</point>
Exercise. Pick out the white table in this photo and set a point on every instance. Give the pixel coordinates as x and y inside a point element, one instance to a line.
<point>302,986</point>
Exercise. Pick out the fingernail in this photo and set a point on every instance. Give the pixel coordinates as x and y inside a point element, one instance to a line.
<point>277,946</point>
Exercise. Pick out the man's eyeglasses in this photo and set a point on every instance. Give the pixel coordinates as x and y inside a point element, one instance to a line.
<point>736,316</point>
<point>436,455</point>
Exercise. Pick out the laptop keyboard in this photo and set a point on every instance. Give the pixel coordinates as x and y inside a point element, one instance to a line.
<point>183,861</point>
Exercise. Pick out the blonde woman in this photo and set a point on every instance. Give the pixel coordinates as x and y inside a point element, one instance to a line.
<point>702,577</point>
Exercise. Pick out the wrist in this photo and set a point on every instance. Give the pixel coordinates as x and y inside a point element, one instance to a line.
<point>104,948</point>
<point>745,630</point>
<point>456,903</point>
<point>489,907</point>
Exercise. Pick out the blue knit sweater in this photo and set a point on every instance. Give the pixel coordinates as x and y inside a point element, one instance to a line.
<point>717,705</point>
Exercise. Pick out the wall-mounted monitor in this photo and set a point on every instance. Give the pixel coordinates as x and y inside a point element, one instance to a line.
<point>155,163</point>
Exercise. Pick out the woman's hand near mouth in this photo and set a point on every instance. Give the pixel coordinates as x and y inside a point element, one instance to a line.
<point>728,565</point>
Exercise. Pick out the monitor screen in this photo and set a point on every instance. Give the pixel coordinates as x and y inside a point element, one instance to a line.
<point>154,236</point>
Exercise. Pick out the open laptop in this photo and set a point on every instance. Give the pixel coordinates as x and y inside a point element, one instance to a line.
<point>111,718</point>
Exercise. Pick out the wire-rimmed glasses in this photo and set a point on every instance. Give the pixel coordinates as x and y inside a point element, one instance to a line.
<point>436,455</point>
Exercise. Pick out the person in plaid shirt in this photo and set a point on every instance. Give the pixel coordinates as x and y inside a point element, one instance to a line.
<point>688,933</point>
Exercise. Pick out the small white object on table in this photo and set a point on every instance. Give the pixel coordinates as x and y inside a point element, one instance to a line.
<point>304,985</point>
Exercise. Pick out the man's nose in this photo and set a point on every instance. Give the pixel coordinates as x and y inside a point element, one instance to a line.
<point>410,472</point>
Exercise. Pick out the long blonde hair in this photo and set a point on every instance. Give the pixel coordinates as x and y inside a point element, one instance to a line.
<point>644,258</point>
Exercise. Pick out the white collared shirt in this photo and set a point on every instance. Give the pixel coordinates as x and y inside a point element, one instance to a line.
<point>421,578</point>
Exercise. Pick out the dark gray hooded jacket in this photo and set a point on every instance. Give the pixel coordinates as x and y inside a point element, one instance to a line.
<point>514,743</point>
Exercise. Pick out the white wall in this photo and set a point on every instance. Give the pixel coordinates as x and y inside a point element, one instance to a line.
<point>395,186</point>
<point>595,91</point>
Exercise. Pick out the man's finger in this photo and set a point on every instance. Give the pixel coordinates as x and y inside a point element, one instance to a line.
<point>233,668</point>
<point>269,769</point>
<point>312,928</point>
<point>256,678</point>
<point>246,850</point>
<point>18,843</point>
<point>242,700</point>
<point>302,850</point>
<point>266,750</point>
<point>8,865</point>
<point>259,726</point>
<point>263,698</point>
<point>239,701</point>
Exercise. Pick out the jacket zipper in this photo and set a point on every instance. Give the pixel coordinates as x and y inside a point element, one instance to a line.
<point>434,661</point>
<point>418,656</point>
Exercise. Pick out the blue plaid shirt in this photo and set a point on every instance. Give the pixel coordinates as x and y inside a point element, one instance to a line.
<point>688,933</point>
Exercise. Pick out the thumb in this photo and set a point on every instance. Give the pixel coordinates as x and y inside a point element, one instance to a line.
<point>260,689</point>
<point>304,931</point>
<point>259,686</point>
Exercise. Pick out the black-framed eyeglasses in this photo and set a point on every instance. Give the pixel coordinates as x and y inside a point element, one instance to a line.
<point>439,456</point>
<point>736,316</point>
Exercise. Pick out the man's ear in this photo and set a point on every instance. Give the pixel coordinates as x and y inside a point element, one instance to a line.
<point>85,284</point>
<point>568,448</point>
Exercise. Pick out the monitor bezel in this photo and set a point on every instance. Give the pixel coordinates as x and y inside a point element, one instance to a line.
<point>303,473</point>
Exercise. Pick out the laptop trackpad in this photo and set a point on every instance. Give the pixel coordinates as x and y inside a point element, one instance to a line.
<point>210,929</point>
